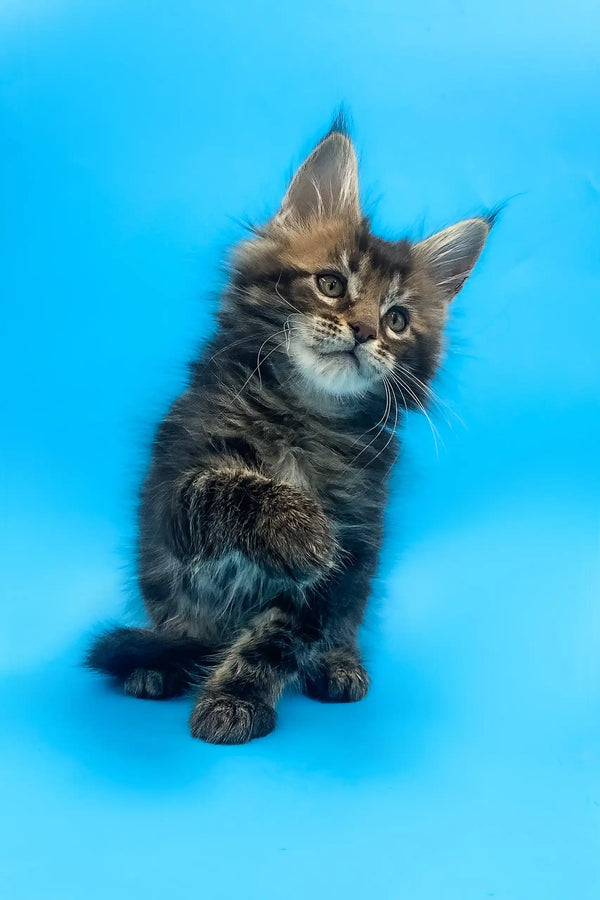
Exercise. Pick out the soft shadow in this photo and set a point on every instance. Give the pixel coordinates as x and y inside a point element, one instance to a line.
<point>143,745</point>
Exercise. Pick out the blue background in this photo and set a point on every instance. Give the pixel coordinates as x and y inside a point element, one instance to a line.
<point>136,136</point>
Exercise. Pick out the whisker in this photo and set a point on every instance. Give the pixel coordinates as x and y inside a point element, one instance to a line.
<point>260,351</point>
<point>403,386</point>
<point>250,337</point>
<point>392,433</point>
<point>285,300</point>
<point>435,398</point>
<point>391,466</point>
<point>257,368</point>
<point>388,408</point>
<point>373,427</point>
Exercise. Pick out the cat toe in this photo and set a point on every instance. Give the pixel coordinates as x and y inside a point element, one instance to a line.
<point>150,684</point>
<point>224,719</point>
<point>338,683</point>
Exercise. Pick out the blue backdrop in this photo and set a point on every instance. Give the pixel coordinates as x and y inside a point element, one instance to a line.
<point>136,136</point>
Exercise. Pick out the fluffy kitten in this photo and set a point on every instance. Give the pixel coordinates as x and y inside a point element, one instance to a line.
<point>261,515</point>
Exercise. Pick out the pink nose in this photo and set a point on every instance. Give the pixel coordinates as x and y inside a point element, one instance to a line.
<point>363,332</point>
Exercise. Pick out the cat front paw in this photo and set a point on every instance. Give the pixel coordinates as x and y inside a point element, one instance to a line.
<point>339,678</point>
<point>225,719</point>
<point>297,535</point>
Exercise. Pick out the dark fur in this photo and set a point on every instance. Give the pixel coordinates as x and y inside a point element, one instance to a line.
<point>261,515</point>
<point>126,653</point>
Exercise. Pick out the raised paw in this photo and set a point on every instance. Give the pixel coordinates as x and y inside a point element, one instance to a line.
<point>297,534</point>
<point>225,719</point>
<point>150,684</point>
<point>339,678</point>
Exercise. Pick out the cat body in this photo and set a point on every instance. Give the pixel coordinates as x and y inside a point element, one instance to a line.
<point>261,516</point>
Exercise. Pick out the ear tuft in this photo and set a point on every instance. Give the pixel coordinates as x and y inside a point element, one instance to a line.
<point>340,123</point>
<point>449,255</point>
<point>326,184</point>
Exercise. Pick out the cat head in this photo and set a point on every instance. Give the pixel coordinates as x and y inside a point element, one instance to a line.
<point>351,311</point>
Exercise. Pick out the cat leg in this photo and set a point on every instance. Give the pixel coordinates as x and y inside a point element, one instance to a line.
<point>238,699</point>
<point>280,527</point>
<point>336,675</point>
<point>170,657</point>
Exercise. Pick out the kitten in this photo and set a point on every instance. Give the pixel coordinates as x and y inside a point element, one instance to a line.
<point>261,515</point>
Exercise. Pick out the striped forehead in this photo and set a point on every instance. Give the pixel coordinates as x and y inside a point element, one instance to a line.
<point>394,291</point>
<point>374,260</point>
<point>364,277</point>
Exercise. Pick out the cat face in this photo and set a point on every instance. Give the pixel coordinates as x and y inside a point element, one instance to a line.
<point>355,312</point>
<point>358,322</point>
<point>359,310</point>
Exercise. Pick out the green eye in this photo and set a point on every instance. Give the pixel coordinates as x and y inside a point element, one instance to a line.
<point>331,285</point>
<point>396,319</point>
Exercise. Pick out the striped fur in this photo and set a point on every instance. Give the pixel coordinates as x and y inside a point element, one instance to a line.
<point>261,514</point>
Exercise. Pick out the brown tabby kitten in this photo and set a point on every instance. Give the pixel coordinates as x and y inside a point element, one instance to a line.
<point>261,515</point>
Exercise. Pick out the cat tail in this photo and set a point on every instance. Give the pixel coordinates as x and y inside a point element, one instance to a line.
<point>122,651</point>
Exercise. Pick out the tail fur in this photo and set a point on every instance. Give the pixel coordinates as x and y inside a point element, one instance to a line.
<point>122,651</point>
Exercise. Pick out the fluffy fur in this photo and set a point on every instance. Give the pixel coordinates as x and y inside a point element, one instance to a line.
<point>261,515</point>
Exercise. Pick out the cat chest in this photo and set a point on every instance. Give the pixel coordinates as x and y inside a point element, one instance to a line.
<point>324,473</point>
<point>291,466</point>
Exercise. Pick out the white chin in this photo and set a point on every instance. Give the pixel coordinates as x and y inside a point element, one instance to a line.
<point>334,373</point>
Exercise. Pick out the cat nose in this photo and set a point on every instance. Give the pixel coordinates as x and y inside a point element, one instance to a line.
<point>363,331</point>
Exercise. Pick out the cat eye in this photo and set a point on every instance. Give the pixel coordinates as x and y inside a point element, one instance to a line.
<point>396,319</point>
<point>331,285</point>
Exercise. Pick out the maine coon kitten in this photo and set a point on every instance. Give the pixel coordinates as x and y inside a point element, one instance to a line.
<point>261,515</point>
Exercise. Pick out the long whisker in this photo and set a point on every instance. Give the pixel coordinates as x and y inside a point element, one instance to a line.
<point>403,398</point>
<point>243,293</point>
<point>288,336</point>
<point>377,424</point>
<point>435,398</point>
<point>392,432</point>
<point>285,300</point>
<point>257,367</point>
<point>388,408</point>
<point>250,337</point>
<point>404,387</point>
<point>258,359</point>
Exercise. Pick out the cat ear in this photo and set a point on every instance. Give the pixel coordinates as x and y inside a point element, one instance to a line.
<point>325,185</point>
<point>450,255</point>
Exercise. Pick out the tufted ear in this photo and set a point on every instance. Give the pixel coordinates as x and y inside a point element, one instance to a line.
<point>325,185</point>
<point>450,255</point>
